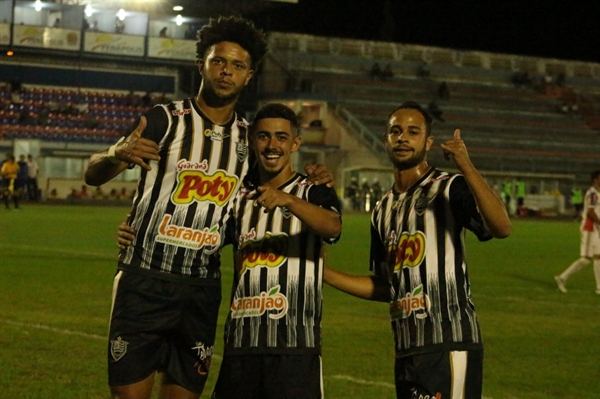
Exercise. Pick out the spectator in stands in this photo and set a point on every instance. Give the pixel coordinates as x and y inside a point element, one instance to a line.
<point>190,33</point>
<point>577,201</point>
<point>99,193</point>
<point>353,193</point>
<point>132,99</point>
<point>53,194</point>
<point>146,100</point>
<point>57,23</point>
<point>15,84</point>
<point>25,118</point>
<point>74,194</point>
<point>163,32</point>
<point>22,175</point>
<point>444,91</point>
<point>119,25</point>
<point>94,27</point>
<point>376,192</point>
<point>375,72</point>
<point>521,79</point>
<point>85,25</point>
<point>90,121</point>
<point>423,71</point>
<point>43,117</point>
<point>32,179</point>
<point>84,194</point>
<point>113,194</point>
<point>365,196</point>
<point>387,73</point>
<point>520,192</point>
<point>434,110</point>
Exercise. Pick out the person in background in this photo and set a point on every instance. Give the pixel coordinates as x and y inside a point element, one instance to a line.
<point>10,189</point>
<point>577,201</point>
<point>419,264</point>
<point>22,175</point>
<point>590,237</point>
<point>32,179</point>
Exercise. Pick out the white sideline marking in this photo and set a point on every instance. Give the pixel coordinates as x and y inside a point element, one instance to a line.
<point>360,381</point>
<point>54,329</point>
<point>31,249</point>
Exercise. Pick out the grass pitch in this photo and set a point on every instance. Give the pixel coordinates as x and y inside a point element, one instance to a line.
<point>57,265</point>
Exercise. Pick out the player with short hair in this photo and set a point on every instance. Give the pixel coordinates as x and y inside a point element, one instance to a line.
<point>590,236</point>
<point>194,155</point>
<point>419,264</point>
<point>278,226</point>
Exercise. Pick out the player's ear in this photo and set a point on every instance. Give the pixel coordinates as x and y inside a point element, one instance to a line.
<point>297,142</point>
<point>429,143</point>
<point>200,64</point>
<point>250,74</point>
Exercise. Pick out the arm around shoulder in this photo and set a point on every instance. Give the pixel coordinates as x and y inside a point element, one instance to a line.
<point>373,288</point>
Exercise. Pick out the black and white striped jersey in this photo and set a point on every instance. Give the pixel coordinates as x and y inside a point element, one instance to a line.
<point>417,242</point>
<point>181,206</point>
<point>277,291</point>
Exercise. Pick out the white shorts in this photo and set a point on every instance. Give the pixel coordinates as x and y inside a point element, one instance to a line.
<point>590,243</point>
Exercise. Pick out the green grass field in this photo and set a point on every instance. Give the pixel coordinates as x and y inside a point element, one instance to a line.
<point>57,265</point>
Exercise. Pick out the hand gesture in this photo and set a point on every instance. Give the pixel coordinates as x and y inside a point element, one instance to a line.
<point>125,236</point>
<point>137,150</point>
<point>455,150</point>
<point>319,174</point>
<point>270,198</point>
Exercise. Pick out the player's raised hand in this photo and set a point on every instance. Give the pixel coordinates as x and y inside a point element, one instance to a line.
<point>455,150</point>
<point>136,149</point>
<point>270,198</point>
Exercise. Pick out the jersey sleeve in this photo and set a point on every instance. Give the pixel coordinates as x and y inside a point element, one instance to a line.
<point>378,255</point>
<point>464,208</point>
<point>326,198</point>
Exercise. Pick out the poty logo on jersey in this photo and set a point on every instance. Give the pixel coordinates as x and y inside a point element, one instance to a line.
<point>197,186</point>
<point>271,251</point>
<point>410,249</point>
<point>416,302</point>
<point>214,135</point>
<point>272,301</point>
<point>187,237</point>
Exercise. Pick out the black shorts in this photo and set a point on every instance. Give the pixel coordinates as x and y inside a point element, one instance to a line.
<point>270,377</point>
<point>455,374</point>
<point>159,325</point>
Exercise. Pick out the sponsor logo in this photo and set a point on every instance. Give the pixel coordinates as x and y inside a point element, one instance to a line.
<point>273,301</point>
<point>184,164</point>
<point>204,354</point>
<point>214,135</point>
<point>195,185</point>
<point>416,302</point>
<point>118,348</point>
<point>410,249</point>
<point>181,112</point>
<point>187,237</point>
<point>414,394</point>
<point>271,251</point>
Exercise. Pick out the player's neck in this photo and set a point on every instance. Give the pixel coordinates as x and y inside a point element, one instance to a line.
<point>275,180</point>
<point>218,115</point>
<point>405,179</point>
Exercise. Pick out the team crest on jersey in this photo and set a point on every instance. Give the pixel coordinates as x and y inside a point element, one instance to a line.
<point>241,149</point>
<point>214,135</point>
<point>118,348</point>
<point>408,250</point>
<point>421,204</point>
<point>285,212</point>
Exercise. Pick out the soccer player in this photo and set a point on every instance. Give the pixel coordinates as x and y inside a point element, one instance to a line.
<point>418,260</point>
<point>590,236</point>
<point>279,224</point>
<point>10,187</point>
<point>193,154</point>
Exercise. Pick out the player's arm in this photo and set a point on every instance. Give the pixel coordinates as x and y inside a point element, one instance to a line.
<point>591,214</point>
<point>324,222</point>
<point>491,208</point>
<point>373,288</point>
<point>133,149</point>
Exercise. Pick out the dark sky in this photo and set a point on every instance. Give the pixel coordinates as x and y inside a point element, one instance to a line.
<point>555,29</point>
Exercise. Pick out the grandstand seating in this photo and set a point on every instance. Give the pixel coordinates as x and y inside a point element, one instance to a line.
<point>505,128</point>
<point>71,115</point>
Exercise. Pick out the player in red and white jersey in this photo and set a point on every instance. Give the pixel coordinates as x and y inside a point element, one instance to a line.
<point>419,264</point>
<point>590,237</point>
<point>279,225</point>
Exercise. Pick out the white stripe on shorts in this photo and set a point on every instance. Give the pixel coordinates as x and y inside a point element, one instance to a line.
<point>458,368</point>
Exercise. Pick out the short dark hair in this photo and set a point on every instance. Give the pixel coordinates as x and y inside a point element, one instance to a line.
<point>232,29</point>
<point>417,107</point>
<point>277,110</point>
<point>595,174</point>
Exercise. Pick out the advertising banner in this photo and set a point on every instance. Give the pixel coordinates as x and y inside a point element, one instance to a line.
<point>43,37</point>
<point>177,49</point>
<point>111,43</point>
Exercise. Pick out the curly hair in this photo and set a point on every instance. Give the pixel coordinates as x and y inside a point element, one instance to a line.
<point>236,30</point>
